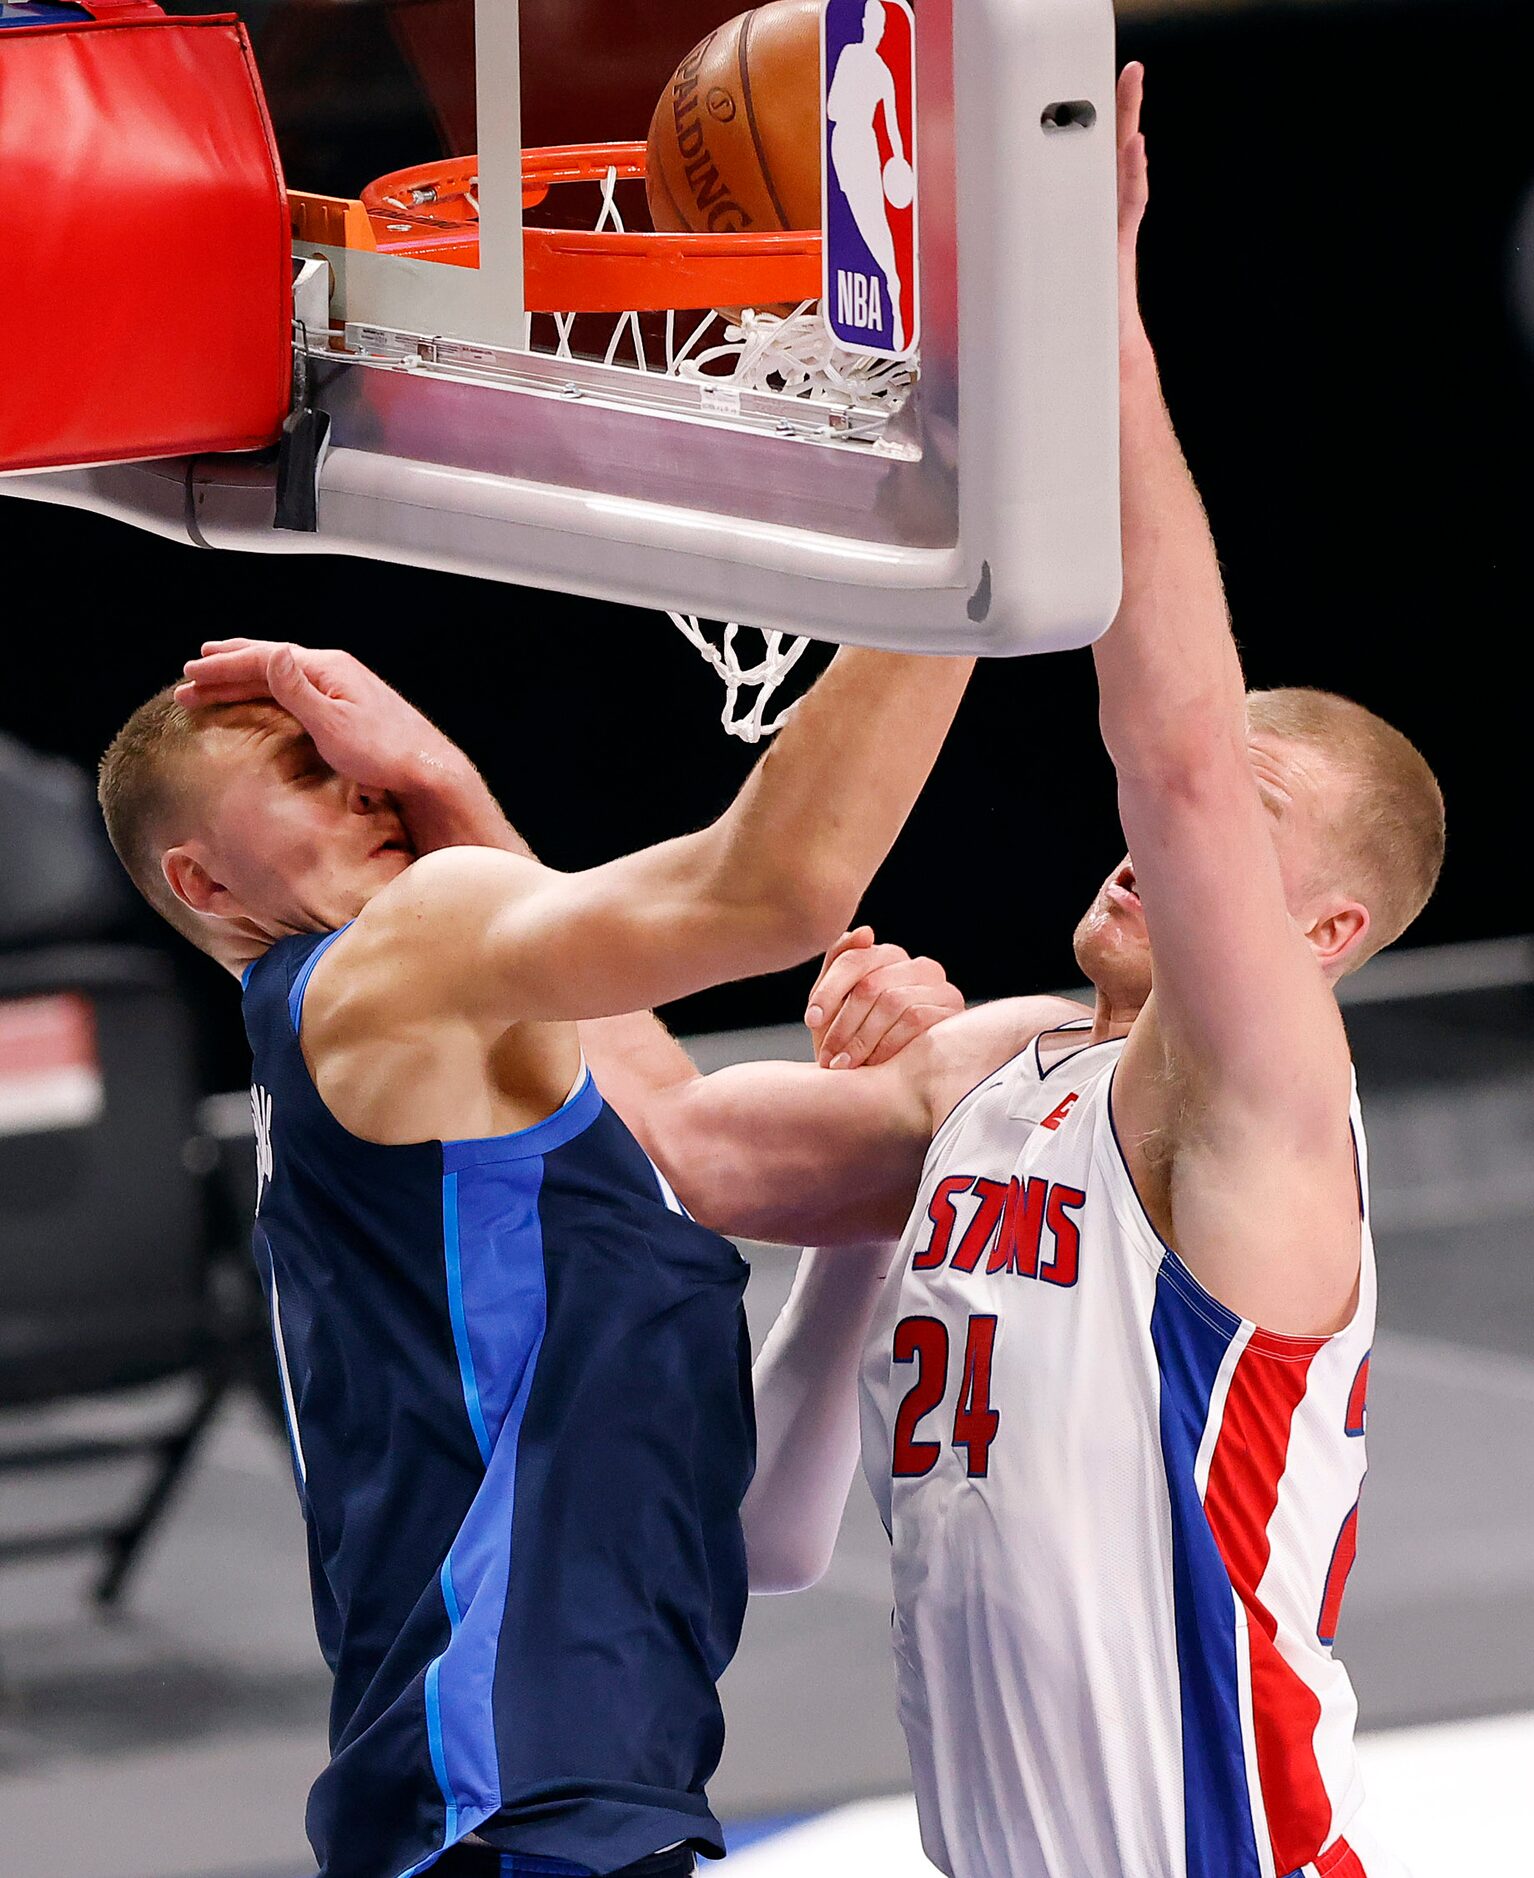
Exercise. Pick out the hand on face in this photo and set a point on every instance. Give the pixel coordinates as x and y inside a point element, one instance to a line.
<point>871,1000</point>
<point>360,726</point>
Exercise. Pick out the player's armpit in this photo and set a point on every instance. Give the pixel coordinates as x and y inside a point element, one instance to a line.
<point>1260,1200</point>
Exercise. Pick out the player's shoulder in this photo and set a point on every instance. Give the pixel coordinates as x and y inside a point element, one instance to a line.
<point>955,1057</point>
<point>442,901</point>
<point>447,879</point>
<point>417,936</point>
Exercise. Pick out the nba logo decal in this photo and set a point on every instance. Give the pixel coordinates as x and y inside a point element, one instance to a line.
<point>868,70</point>
<point>40,13</point>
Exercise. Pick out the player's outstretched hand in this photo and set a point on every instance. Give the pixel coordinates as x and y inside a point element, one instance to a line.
<point>1134,194</point>
<point>871,1000</point>
<point>361,727</point>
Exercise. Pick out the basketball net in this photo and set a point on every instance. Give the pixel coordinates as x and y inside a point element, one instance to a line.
<point>791,353</point>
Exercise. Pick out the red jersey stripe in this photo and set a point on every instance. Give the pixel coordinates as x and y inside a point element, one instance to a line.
<point>1244,1474</point>
<point>1340,1861</point>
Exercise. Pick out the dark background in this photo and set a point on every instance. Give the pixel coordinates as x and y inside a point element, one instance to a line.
<point>1328,272</point>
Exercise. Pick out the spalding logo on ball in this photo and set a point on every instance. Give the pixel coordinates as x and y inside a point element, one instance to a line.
<point>735,140</point>
<point>801,115</point>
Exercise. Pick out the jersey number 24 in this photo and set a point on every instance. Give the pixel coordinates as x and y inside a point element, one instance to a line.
<point>924,1342</point>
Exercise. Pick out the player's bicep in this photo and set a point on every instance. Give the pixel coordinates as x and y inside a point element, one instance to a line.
<point>626,936</point>
<point>791,1153</point>
<point>511,940</point>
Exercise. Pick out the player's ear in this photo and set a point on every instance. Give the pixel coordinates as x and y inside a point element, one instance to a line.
<point>1336,934</point>
<point>193,885</point>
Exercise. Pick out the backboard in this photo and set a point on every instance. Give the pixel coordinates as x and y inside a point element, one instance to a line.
<point>968,501</point>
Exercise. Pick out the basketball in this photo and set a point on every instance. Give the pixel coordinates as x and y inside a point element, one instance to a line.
<point>899,183</point>
<point>735,140</point>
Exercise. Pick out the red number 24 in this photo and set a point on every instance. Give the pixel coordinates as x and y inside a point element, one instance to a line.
<point>924,1342</point>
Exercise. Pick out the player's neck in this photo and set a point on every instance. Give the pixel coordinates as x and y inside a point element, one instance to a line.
<point>1113,1015</point>
<point>240,953</point>
<point>247,941</point>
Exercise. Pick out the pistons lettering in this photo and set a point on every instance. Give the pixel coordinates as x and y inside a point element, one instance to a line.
<point>1027,1228</point>
<point>710,193</point>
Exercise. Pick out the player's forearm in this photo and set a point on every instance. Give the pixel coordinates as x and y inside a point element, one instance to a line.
<point>1169,678</point>
<point>823,808</point>
<point>805,1383</point>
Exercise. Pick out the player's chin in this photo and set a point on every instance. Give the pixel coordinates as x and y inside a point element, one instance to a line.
<point>1108,944</point>
<point>370,875</point>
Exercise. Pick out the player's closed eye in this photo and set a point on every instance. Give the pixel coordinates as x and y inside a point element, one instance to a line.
<point>304,764</point>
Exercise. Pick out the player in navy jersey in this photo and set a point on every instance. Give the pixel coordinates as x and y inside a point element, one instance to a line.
<point>516,1371</point>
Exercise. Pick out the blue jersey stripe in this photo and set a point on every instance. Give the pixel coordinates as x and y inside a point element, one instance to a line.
<point>305,973</point>
<point>434,1740</point>
<point>1220,1840</point>
<point>499,1305</point>
<point>449,1595</point>
<point>453,1256</point>
<point>438,1753</point>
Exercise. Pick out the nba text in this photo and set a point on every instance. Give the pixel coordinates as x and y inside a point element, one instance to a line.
<point>859,301</point>
<point>1029,1228</point>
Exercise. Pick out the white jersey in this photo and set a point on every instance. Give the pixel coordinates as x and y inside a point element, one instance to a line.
<point>1122,1518</point>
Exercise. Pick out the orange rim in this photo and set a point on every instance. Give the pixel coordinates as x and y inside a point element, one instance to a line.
<point>429,212</point>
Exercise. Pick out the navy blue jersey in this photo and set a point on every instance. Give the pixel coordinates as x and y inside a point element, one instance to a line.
<point>518,1381</point>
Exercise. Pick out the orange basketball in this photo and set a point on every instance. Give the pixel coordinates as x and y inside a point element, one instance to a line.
<point>735,140</point>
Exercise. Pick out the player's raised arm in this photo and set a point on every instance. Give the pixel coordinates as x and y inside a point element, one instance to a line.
<point>1242,1022</point>
<point>768,884</point>
<point>1241,995</point>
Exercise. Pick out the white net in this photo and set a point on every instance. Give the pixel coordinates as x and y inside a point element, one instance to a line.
<point>790,353</point>
<point>782,653</point>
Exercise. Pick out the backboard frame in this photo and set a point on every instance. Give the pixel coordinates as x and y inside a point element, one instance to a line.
<point>485,302</point>
<point>987,523</point>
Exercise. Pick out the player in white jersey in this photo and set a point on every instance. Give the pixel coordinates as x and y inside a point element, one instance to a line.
<point>1120,1479</point>
<point>1105,1489</point>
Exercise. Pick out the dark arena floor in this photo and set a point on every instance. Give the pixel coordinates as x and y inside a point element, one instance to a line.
<point>178,1739</point>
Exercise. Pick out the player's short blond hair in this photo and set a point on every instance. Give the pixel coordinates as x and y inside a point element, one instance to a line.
<point>141,787</point>
<point>1390,836</point>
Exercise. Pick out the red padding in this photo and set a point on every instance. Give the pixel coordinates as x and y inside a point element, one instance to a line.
<point>146,256</point>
